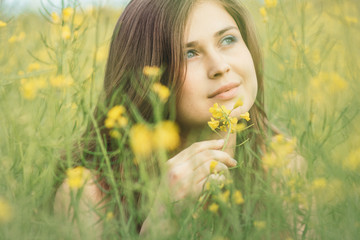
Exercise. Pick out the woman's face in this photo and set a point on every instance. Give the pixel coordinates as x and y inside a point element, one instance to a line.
<point>220,68</point>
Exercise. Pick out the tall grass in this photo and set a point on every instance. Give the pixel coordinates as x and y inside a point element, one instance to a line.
<point>52,68</point>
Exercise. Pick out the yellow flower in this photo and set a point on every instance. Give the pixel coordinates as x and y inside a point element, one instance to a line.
<point>270,3</point>
<point>115,134</point>
<point>238,103</point>
<point>109,216</point>
<point>224,197</point>
<point>115,117</point>
<point>77,176</point>
<point>67,13</point>
<point>245,116</point>
<point>116,111</point>
<point>352,162</point>
<point>213,165</point>
<point>238,197</point>
<point>214,208</point>
<point>141,140</point>
<point>33,67</point>
<point>17,38</point>
<point>162,91</point>
<point>109,123</point>
<point>66,32</point>
<point>319,183</point>
<point>216,111</point>
<point>259,224</point>
<point>166,136</point>
<point>263,12</point>
<point>28,89</point>
<point>351,20</point>
<point>55,17</point>
<point>61,82</point>
<point>2,24</point>
<point>213,124</point>
<point>238,127</point>
<point>5,211</point>
<point>151,71</point>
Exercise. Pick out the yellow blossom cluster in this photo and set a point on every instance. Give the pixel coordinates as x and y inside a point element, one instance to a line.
<point>151,71</point>
<point>278,154</point>
<point>162,91</point>
<point>225,198</point>
<point>144,140</point>
<point>17,37</point>
<point>76,177</point>
<point>66,16</point>
<point>61,81</point>
<point>2,24</point>
<point>222,121</point>
<point>116,119</point>
<point>326,85</point>
<point>270,3</point>
<point>352,162</point>
<point>30,87</point>
<point>5,211</point>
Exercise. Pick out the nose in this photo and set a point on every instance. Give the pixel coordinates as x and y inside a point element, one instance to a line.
<point>217,65</point>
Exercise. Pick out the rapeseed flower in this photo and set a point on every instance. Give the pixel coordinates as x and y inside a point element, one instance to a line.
<point>270,3</point>
<point>55,18</point>
<point>263,13</point>
<point>352,162</point>
<point>213,165</point>
<point>238,197</point>
<point>116,118</point>
<point>214,207</point>
<point>162,91</point>
<point>141,140</point>
<point>319,183</point>
<point>61,82</point>
<point>278,156</point>
<point>66,32</point>
<point>33,67</point>
<point>2,24</point>
<point>28,89</point>
<point>77,176</point>
<point>351,20</point>
<point>259,224</point>
<point>151,71</point>
<point>166,136</point>
<point>67,13</point>
<point>222,121</point>
<point>5,211</point>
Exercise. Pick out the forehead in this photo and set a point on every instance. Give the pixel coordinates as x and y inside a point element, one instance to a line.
<point>205,19</point>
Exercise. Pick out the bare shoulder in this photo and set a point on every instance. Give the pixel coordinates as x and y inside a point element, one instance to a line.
<point>80,195</point>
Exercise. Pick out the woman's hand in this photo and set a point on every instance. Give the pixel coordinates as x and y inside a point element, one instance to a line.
<point>186,174</point>
<point>190,169</point>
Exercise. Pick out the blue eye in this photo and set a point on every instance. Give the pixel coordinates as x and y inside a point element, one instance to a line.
<point>228,40</point>
<point>190,53</point>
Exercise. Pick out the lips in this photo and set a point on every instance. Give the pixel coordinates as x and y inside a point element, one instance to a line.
<point>225,92</point>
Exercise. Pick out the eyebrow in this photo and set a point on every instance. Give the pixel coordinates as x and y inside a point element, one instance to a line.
<point>217,34</point>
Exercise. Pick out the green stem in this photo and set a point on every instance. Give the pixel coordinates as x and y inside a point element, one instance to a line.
<point>111,175</point>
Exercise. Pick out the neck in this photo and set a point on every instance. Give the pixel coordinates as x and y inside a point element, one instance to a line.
<point>190,136</point>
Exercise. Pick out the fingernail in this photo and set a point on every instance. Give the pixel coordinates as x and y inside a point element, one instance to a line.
<point>234,161</point>
<point>221,141</point>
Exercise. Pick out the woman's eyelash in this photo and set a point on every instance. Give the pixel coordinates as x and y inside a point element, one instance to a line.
<point>191,53</point>
<point>228,40</point>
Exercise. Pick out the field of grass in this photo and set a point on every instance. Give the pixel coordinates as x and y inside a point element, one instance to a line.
<point>51,73</point>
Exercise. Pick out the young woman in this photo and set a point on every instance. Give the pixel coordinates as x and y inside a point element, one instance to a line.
<point>209,54</point>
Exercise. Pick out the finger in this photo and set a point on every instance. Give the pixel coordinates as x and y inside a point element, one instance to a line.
<point>197,148</point>
<point>217,155</point>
